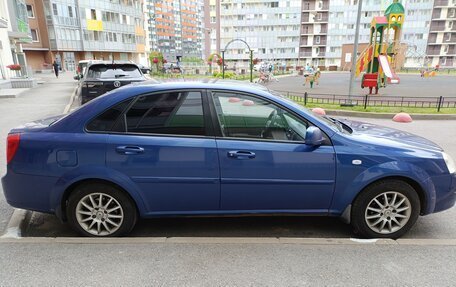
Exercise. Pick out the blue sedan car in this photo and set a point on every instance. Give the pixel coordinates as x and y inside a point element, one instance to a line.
<point>221,148</point>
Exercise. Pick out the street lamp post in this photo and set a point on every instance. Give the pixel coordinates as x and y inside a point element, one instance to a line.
<point>223,64</point>
<point>251,66</point>
<point>354,57</point>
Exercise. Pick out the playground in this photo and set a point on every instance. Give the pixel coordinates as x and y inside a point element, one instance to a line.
<point>412,85</point>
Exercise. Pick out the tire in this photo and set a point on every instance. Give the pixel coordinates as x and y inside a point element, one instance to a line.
<point>116,216</point>
<point>386,209</point>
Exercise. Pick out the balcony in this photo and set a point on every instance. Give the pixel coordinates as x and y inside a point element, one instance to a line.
<point>436,14</point>
<point>437,26</point>
<point>435,51</point>
<point>3,22</point>
<point>305,54</point>
<point>440,3</point>
<point>323,19</point>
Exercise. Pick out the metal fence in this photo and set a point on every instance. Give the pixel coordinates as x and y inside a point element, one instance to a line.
<point>373,100</point>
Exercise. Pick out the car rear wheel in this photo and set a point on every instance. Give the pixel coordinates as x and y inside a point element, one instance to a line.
<point>386,209</point>
<point>101,210</point>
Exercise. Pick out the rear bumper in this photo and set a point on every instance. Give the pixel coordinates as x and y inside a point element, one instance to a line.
<point>29,191</point>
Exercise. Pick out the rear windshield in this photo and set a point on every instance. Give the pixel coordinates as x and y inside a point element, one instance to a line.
<point>113,72</point>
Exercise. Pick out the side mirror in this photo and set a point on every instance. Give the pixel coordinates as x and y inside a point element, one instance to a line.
<point>314,136</point>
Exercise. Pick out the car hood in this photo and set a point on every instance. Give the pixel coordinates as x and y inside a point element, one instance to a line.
<point>389,135</point>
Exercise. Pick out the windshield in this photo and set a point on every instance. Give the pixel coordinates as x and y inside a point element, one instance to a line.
<point>113,72</point>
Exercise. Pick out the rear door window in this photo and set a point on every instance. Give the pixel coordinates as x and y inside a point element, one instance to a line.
<point>178,113</point>
<point>105,121</point>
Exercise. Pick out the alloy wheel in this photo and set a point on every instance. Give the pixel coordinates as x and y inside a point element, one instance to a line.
<point>388,212</point>
<point>99,214</point>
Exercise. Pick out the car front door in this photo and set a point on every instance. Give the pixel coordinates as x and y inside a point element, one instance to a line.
<point>162,144</point>
<point>265,164</point>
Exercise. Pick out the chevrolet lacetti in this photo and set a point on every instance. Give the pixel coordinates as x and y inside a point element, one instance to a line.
<point>221,148</point>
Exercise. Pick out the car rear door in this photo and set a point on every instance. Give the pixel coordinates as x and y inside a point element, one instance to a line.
<point>164,145</point>
<point>265,164</point>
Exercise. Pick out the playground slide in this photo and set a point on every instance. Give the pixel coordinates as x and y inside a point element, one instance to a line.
<point>390,74</point>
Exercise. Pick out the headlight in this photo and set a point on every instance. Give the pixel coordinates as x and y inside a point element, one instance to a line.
<point>449,162</point>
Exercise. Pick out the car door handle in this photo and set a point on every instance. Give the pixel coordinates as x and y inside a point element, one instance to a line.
<point>129,150</point>
<point>240,154</point>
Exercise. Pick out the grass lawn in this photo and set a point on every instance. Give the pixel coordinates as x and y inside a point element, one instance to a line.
<point>411,110</point>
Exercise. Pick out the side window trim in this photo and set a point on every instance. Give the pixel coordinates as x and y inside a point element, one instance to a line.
<point>220,135</point>
<point>208,127</point>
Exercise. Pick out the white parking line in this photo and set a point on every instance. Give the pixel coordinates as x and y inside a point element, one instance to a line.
<point>16,224</point>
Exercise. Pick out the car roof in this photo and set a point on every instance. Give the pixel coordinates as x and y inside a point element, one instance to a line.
<point>89,61</point>
<point>103,102</point>
<point>111,63</point>
<point>205,83</point>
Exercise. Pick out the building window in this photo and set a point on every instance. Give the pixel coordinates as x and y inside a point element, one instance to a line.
<point>93,14</point>
<point>30,12</point>
<point>70,11</point>
<point>317,39</point>
<point>451,13</point>
<point>55,11</point>
<point>34,33</point>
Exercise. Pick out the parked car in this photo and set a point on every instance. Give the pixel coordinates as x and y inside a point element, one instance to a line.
<point>102,77</point>
<point>145,70</point>
<point>82,65</point>
<point>221,148</point>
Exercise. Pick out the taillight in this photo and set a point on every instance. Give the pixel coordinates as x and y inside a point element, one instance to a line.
<point>12,145</point>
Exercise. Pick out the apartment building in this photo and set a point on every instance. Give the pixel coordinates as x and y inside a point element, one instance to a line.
<point>19,30</point>
<point>6,58</point>
<point>271,28</point>
<point>68,31</point>
<point>37,51</point>
<point>175,27</point>
<point>211,27</point>
<point>441,45</point>
<point>314,31</point>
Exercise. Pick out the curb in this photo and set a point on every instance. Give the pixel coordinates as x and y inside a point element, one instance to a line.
<point>73,95</point>
<point>231,240</point>
<point>17,224</point>
<point>389,115</point>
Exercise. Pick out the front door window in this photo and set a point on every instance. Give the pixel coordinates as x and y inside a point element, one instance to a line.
<point>243,116</point>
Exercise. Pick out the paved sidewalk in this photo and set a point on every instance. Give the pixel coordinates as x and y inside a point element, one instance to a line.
<point>47,99</point>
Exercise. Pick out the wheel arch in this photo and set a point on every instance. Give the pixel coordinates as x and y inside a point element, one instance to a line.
<point>413,183</point>
<point>61,211</point>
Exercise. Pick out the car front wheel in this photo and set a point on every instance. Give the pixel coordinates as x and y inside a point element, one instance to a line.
<point>101,210</point>
<point>386,209</point>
